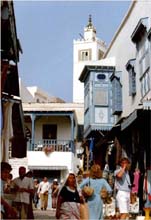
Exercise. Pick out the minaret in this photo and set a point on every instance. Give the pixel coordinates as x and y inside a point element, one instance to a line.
<point>90,31</point>
<point>88,48</point>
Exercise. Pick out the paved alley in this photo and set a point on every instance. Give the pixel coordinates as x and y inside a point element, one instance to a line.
<point>48,214</point>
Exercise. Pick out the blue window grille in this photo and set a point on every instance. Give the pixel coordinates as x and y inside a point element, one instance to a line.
<point>117,94</point>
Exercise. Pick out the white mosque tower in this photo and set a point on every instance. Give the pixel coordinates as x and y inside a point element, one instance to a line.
<point>88,48</point>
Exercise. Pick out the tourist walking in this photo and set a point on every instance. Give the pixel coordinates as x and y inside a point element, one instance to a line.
<point>7,211</point>
<point>54,192</point>
<point>25,188</point>
<point>95,203</point>
<point>10,190</point>
<point>69,200</point>
<point>36,196</point>
<point>43,190</point>
<point>29,174</point>
<point>123,187</point>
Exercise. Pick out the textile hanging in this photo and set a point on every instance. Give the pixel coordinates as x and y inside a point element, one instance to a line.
<point>147,182</point>
<point>147,188</point>
<point>136,181</point>
<point>91,149</point>
<point>7,131</point>
<point>19,146</point>
<point>118,150</point>
<point>4,69</point>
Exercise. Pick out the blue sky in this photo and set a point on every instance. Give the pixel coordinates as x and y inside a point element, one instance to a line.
<point>46,30</point>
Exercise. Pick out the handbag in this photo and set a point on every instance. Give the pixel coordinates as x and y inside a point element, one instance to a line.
<point>87,190</point>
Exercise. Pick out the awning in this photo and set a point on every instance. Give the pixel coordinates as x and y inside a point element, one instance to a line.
<point>130,119</point>
<point>139,30</point>
<point>93,128</point>
<point>110,135</point>
<point>47,167</point>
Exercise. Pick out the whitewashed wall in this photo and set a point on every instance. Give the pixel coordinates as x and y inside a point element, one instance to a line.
<point>124,49</point>
<point>78,87</point>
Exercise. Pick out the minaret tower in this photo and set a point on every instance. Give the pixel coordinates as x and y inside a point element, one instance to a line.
<point>89,30</point>
<point>88,48</point>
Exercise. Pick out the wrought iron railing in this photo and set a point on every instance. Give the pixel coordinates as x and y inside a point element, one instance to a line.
<point>50,145</point>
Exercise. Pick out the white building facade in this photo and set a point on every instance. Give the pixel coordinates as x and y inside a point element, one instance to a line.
<point>88,48</point>
<point>131,94</point>
<point>131,47</point>
<point>124,49</point>
<point>52,128</point>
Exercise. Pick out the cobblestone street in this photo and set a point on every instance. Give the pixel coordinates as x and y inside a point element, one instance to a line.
<point>48,214</point>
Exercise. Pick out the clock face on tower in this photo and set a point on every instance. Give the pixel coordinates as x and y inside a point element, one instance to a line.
<point>101,115</point>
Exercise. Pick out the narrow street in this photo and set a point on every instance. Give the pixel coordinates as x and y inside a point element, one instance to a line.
<point>48,214</point>
<point>76,111</point>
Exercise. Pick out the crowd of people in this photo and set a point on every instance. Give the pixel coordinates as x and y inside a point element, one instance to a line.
<point>80,196</point>
<point>19,195</point>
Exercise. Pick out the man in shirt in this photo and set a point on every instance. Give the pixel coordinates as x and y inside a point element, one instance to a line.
<point>7,211</point>
<point>43,191</point>
<point>22,199</point>
<point>123,186</point>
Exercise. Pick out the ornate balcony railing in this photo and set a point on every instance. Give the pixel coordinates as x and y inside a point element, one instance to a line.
<point>51,145</point>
